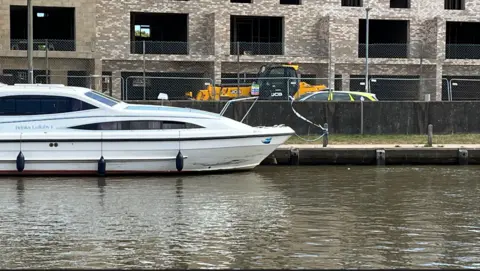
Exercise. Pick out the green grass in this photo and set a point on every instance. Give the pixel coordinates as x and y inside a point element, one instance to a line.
<point>389,139</point>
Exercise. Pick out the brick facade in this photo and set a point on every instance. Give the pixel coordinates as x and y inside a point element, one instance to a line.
<point>320,35</point>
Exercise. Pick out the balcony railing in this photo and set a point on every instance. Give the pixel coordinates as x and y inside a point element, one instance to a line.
<point>384,50</point>
<point>256,48</point>
<point>159,47</point>
<point>42,44</point>
<point>462,51</point>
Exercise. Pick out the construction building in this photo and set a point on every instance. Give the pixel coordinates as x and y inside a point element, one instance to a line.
<point>415,46</point>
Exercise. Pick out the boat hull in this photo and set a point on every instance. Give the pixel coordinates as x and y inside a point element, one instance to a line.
<point>56,154</point>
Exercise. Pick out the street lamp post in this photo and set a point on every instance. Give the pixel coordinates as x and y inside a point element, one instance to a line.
<point>366,49</point>
<point>30,41</point>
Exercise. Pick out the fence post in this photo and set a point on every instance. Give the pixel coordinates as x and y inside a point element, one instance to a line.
<point>450,88</point>
<point>126,88</point>
<point>430,135</point>
<point>46,62</point>
<point>325,137</point>
<point>288,89</point>
<point>367,87</point>
<point>144,82</point>
<point>238,68</point>
<point>361,115</point>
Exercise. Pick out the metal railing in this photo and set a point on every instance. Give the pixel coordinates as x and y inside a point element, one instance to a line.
<point>256,48</point>
<point>159,47</point>
<point>44,44</point>
<point>225,107</point>
<point>149,47</point>
<point>462,51</point>
<point>389,50</point>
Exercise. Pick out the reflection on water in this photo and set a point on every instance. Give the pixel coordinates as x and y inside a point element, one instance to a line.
<point>287,217</point>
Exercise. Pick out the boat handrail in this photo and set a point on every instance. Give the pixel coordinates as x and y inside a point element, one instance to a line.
<point>225,107</point>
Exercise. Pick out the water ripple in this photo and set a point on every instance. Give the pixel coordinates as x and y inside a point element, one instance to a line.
<point>299,217</point>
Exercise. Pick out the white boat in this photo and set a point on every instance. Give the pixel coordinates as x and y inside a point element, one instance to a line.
<point>57,129</point>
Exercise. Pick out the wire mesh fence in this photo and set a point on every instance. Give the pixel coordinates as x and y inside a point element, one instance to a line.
<point>465,89</point>
<point>44,45</point>
<point>104,83</point>
<point>149,47</point>
<point>183,88</point>
<point>129,85</point>
<point>268,88</point>
<point>406,89</point>
<point>176,88</point>
<point>462,51</point>
<point>385,50</point>
<point>256,48</point>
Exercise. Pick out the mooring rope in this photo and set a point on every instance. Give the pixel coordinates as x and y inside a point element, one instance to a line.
<point>325,130</point>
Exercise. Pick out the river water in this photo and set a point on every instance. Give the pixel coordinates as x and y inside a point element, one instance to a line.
<point>273,217</point>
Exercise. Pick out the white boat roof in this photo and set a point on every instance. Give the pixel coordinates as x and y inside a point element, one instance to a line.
<point>43,88</point>
<point>79,92</point>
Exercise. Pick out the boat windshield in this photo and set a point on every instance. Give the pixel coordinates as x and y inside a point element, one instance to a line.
<point>105,99</point>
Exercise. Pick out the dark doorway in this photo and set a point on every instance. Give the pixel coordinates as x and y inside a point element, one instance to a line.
<point>463,40</point>
<point>163,33</point>
<point>387,38</point>
<point>52,26</point>
<point>256,35</point>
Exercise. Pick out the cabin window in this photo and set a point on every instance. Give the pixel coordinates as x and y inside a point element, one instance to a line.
<point>40,105</point>
<point>137,125</point>
<point>100,97</point>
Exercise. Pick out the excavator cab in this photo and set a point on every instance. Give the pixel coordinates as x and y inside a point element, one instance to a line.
<point>276,82</point>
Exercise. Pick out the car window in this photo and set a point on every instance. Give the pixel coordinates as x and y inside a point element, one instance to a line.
<point>341,97</point>
<point>357,97</point>
<point>321,96</point>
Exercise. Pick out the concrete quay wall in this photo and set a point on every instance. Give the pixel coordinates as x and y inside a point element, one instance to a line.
<point>374,155</point>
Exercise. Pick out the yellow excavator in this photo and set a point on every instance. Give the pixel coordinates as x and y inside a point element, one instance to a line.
<point>273,82</point>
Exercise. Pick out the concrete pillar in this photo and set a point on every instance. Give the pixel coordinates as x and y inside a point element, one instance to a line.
<point>440,56</point>
<point>427,82</point>
<point>58,77</point>
<point>222,34</point>
<point>117,84</point>
<point>5,26</point>
<point>441,41</point>
<point>345,81</point>
<point>439,81</point>
<point>96,74</point>
<point>217,72</point>
<point>331,79</point>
